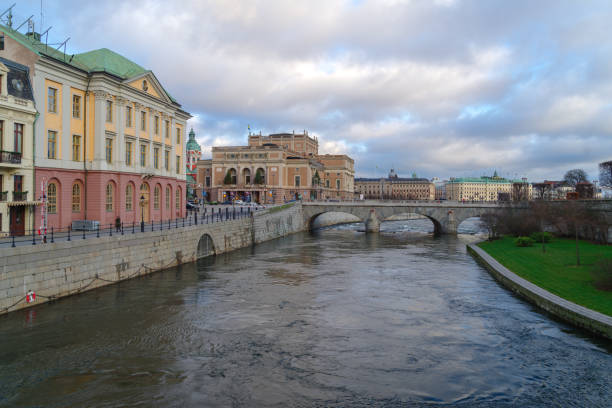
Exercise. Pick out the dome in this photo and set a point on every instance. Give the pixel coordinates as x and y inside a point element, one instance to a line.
<point>192,144</point>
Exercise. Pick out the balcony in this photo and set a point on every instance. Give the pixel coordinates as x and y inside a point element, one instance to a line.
<point>20,196</point>
<point>10,157</point>
<point>3,196</point>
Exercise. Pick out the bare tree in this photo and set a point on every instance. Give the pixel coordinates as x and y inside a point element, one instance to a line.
<point>540,190</point>
<point>605,174</point>
<point>575,176</point>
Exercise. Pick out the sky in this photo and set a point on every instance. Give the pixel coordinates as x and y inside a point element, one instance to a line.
<point>440,88</point>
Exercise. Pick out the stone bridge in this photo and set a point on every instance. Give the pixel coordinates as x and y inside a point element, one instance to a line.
<point>445,215</point>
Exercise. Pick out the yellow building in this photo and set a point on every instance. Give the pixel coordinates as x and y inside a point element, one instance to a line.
<point>486,188</point>
<point>17,115</point>
<point>109,141</point>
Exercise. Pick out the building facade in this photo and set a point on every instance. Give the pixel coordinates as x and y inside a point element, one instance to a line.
<point>192,156</point>
<point>17,116</point>
<point>395,188</point>
<point>275,169</point>
<point>109,141</point>
<point>485,188</point>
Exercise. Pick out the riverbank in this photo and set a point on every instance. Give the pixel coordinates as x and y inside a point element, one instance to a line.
<point>551,280</point>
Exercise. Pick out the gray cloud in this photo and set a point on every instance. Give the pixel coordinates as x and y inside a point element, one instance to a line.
<point>443,88</point>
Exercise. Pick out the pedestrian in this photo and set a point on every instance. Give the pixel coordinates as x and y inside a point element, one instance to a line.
<point>118,224</point>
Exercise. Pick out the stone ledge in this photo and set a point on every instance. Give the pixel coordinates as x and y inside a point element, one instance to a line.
<point>570,312</point>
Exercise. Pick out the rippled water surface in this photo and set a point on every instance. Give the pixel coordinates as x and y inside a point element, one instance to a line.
<point>332,318</point>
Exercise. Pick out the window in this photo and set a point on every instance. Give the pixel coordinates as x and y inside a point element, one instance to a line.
<point>156,121</point>
<point>178,136</point>
<point>76,147</point>
<point>156,157</point>
<point>128,116</point>
<point>297,181</point>
<point>1,136</point>
<point>167,129</point>
<point>178,164</point>
<point>156,194</point>
<point>76,106</point>
<point>51,144</point>
<point>129,197</point>
<point>52,100</point>
<point>18,138</point>
<point>167,198</point>
<point>207,181</point>
<point>128,153</point>
<point>178,199</point>
<point>1,42</point>
<point>109,197</point>
<point>327,183</point>
<point>167,160</point>
<point>76,197</point>
<point>143,121</point>
<point>52,198</point>
<point>109,150</point>
<point>338,184</point>
<point>143,155</point>
<point>109,111</point>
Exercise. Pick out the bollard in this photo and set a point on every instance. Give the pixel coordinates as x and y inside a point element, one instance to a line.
<point>152,225</point>
<point>83,233</point>
<point>196,218</point>
<point>121,228</point>
<point>13,244</point>
<point>52,241</point>
<point>110,230</point>
<point>98,231</point>
<point>69,228</point>
<point>33,238</point>
<point>183,222</point>
<point>133,230</point>
<point>190,221</point>
<point>226,214</point>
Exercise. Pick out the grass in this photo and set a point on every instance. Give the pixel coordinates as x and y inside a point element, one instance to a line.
<point>279,208</point>
<point>556,270</point>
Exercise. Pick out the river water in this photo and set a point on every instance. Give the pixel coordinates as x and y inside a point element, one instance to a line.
<point>330,318</point>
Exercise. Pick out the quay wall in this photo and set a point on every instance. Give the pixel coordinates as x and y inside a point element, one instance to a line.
<point>570,312</point>
<point>60,269</point>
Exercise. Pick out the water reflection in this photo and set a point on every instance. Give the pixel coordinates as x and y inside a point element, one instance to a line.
<point>332,318</point>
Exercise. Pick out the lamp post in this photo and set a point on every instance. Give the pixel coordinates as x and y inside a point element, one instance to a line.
<point>142,205</point>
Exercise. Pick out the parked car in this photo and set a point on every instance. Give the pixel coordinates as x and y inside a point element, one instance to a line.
<point>191,206</point>
<point>227,202</point>
<point>239,202</point>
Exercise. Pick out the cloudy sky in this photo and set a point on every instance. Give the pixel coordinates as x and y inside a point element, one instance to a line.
<point>437,87</point>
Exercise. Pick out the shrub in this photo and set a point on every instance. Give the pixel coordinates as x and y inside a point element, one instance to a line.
<point>540,237</point>
<point>602,274</point>
<point>523,242</point>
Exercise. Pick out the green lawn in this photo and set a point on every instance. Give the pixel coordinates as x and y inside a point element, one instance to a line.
<point>556,270</point>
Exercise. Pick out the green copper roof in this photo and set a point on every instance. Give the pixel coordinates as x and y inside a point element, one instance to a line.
<point>484,180</point>
<point>102,60</point>
<point>192,144</point>
<point>105,60</point>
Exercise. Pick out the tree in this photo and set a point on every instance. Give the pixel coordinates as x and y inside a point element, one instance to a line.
<point>575,176</point>
<point>228,178</point>
<point>259,177</point>
<point>605,174</point>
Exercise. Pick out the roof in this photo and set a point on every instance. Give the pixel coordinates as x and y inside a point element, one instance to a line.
<point>483,180</point>
<point>105,60</point>
<point>192,144</point>
<point>101,60</point>
<point>395,179</point>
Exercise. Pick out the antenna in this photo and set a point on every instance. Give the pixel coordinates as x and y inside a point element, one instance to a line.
<point>8,10</point>
<point>63,44</point>
<point>21,25</point>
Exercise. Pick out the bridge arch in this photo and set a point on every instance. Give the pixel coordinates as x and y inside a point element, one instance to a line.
<point>398,214</point>
<point>344,217</point>
<point>206,247</point>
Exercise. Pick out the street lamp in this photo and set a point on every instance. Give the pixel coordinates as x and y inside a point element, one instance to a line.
<point>142,205</point>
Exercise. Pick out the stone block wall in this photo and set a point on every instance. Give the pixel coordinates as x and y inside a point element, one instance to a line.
<point>66,268</point>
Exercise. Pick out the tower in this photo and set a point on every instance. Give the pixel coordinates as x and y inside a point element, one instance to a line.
<point>194,153</point>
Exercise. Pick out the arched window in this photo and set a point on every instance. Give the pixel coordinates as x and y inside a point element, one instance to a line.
<point>76,197</point>
<point>52,198</point>
<point>129,197</point>
<point>156,194</point>
<point>168,198</point>
<point>109,197</point>
<point>178,199</point>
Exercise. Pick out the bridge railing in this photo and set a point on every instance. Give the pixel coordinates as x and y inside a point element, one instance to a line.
<point>194,217</point>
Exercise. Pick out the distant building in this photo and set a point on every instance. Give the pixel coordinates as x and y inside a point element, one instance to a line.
<point>484,188</point>
<point>440,186</point>
<point>193,154</point>
<point>551,190</point>
<point>395,188</point>
<point>276,168</point>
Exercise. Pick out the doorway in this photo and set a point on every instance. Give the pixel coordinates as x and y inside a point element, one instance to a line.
<point>17,216</point>
<point>144,193</point>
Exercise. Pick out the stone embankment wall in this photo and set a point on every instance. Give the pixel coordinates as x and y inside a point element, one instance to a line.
<point>64,268</point>
<point>577,315</point>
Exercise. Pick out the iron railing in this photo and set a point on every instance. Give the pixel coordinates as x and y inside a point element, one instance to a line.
<point>20,196</point>
<point>10,157</point>
<point>3,196</point>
